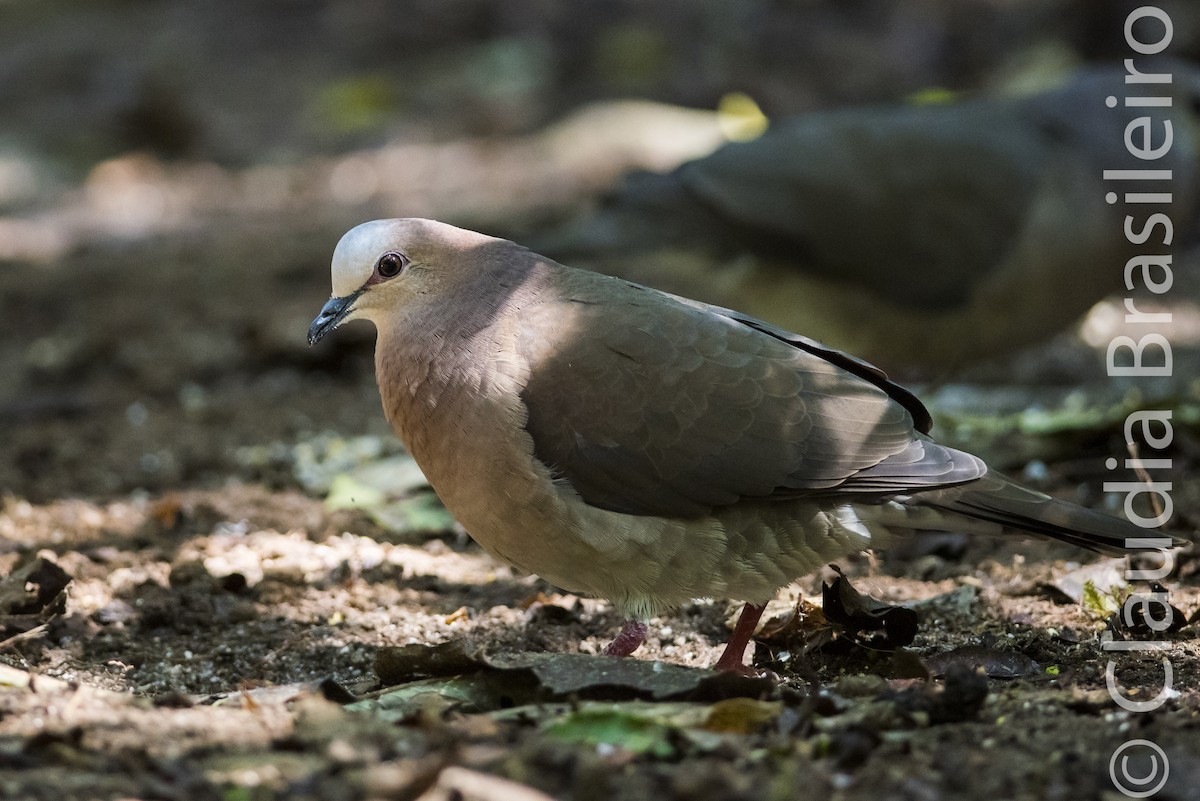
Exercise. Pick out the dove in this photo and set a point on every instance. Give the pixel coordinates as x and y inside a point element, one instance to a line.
<point>922,237</point>
<point>629,444</point>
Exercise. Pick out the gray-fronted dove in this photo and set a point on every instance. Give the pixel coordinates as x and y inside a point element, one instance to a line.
<point>630,444</point>
<point>920,237</point>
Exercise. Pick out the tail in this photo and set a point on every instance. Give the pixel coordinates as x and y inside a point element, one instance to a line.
<point>1002,505</point>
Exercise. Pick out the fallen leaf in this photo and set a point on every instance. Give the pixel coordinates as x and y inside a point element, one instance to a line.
<point>885,627</point>
<point>1137,626</point>
<point>477,692</point>
<point>615,727</point>
<point>615,677</point>
<point>995,663</point>
<point>1099,602</point>
<point>32,594</point>
<point>741,715</point>
<point>1104,576</point>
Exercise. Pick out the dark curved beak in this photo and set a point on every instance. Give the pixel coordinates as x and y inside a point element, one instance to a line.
<point>332,313</point>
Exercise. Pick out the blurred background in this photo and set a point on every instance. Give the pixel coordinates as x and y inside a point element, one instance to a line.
<point>174,175</point>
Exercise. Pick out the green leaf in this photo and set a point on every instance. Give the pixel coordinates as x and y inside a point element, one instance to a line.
<point>1100,603</point>
<point>616,727</point>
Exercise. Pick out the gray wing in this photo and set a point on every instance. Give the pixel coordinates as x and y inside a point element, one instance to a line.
<point>648,404</point>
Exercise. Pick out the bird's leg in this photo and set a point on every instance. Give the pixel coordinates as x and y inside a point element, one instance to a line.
<point>735,651</point>
<point>632,635</point>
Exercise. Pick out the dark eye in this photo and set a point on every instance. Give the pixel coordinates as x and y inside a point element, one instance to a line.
<point>390,264</point>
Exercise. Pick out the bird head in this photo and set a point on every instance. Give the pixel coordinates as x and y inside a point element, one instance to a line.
<point>386,264</point>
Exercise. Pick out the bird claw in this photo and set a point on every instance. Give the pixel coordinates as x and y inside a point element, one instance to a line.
<point>749,671</point>
<point>628,640</point>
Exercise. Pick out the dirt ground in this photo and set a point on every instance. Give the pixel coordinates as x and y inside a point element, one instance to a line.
<point>189,612</point>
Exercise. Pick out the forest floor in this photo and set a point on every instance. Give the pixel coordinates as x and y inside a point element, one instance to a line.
<point>179,455</point>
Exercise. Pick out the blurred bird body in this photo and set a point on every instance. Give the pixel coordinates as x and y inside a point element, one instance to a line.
<point>919,237</point>
<point>629,444</point>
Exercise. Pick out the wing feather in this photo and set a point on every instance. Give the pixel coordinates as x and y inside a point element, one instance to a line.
<point>650,404</point>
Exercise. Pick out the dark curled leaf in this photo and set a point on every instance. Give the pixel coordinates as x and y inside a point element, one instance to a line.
<point>995,664</point>
<point>805,629</point>
<point>32,594</point>
<point>868,622</point>
<point>332,690</point>
<point>1144,615</point>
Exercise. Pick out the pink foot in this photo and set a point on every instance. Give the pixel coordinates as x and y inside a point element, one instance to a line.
<point>732,659</point>
<point>631,636</point>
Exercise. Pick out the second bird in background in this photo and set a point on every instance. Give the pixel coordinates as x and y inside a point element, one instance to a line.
<point>921,237</point>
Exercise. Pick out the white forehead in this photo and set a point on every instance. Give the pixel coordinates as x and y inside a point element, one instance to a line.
<point>355,255</point>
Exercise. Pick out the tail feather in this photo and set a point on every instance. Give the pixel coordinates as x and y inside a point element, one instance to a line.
<point>997,499</point>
